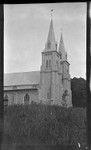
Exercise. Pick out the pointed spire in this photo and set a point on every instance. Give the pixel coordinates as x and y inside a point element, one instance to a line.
<point>51,43</point>
<point>61,49</point>
<point>51,36</point>
<point>61,44</point>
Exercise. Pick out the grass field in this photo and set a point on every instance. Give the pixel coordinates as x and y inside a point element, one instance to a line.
<point>36,126</point>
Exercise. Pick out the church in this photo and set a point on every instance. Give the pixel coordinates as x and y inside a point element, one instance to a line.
<point>51,85</point>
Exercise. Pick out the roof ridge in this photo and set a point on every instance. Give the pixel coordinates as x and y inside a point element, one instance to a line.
<point>21,72</point>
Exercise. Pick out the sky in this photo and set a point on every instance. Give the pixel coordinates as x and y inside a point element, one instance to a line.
<point>26,29</point>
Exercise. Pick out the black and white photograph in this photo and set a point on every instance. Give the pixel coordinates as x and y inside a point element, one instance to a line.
<point>45,76</point>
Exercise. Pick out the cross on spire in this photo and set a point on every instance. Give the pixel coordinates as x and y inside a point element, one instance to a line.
<point>51,43</point>
<point>51,13</point>
<point>61,30</point>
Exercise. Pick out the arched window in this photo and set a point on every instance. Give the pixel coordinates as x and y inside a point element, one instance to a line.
<point>50,63</point>
<point>26,99</point>
<point>6,100</point>
<point>49,93</point>
<point>47,64</point>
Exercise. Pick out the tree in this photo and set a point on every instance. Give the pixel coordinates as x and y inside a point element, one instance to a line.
<point>78,87</point>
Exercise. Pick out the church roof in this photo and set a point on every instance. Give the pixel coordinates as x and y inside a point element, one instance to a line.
<point>21,78</point>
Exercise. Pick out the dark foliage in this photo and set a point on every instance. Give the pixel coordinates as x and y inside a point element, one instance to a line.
<point>42,124</point>
<point>78,87</point>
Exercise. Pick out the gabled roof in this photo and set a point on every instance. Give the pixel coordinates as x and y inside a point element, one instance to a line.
<point>21,78</point>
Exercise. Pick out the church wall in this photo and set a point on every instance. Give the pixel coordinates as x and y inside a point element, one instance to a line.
<point>56,79</point>
<point>60,67</point>
<point>10,97</point>
<point>70,92</point>
<point>55,87</point>
<point>69,98</point>
<point>67,83</point>
<point>55,61</point>
<point>50,78</point>
<point>46,57</point>
<point>17,97</point>
<point>60,88</point>
<point>45,85</point>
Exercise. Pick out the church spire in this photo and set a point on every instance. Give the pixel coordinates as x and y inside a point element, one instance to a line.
<point>61,44</point>
<point>61,49</point>
<point>51,43</point>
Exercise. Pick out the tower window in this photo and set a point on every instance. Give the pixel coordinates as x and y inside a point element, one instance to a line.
<point>47,64</point>
<point>6,100</point>
<point>57,63</point>
<point>26,99</point>
<point>56,46</point>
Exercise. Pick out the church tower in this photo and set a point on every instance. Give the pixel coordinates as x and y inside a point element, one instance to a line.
<point>54,79</point>
<point>67,94</point>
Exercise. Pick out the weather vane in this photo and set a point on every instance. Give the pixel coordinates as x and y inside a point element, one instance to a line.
<point>61,30</point>
<point>51,13</point>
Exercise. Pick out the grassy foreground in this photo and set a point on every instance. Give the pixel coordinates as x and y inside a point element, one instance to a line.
<point>37,124</point>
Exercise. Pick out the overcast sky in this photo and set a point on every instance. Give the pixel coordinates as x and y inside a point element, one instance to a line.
<point>26,30</point>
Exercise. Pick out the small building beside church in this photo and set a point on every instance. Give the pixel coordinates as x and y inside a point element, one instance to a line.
<point>51,85</point>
